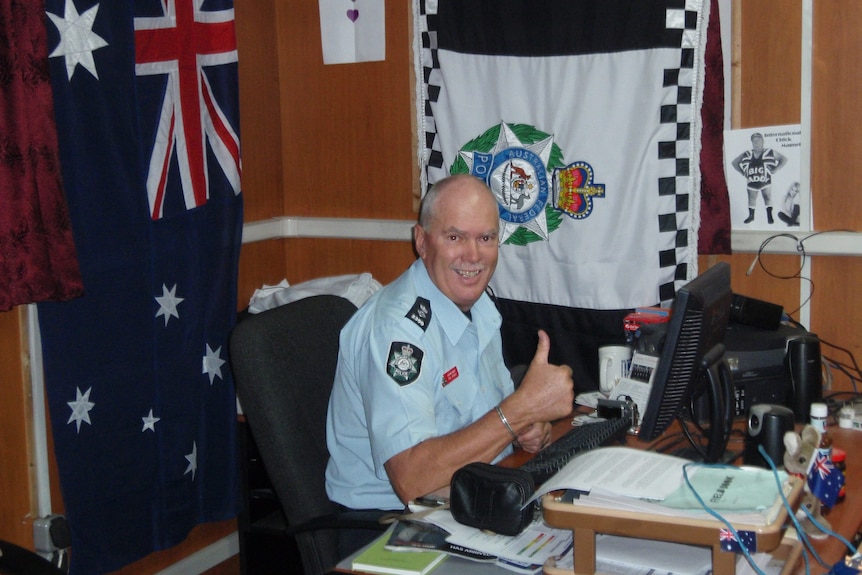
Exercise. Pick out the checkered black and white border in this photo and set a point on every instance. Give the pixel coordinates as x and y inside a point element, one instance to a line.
<point>680,194</point>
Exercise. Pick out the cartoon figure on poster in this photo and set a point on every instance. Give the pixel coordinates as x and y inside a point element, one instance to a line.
<point>757,166</point>
<point>762,166</point>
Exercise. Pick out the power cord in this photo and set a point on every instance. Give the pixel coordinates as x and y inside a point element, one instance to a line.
<point>799,531</point>
<point>800,247</point>
<point>851,370</point>
<point>718,516</point>
<point>803,538</point>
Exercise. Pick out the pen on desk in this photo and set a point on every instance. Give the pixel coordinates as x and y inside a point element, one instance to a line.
<point>531,543</point>
<point>542,546</point>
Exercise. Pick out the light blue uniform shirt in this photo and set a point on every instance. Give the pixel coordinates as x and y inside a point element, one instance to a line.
<point>411,366</point>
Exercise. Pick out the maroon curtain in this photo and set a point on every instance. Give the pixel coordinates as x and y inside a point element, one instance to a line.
<point>37,252</point>
<point>714,231</point>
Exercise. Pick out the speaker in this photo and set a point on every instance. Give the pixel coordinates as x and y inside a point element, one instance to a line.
<point>805,379</point>
<point>755,312</point>
<point>767,424</point>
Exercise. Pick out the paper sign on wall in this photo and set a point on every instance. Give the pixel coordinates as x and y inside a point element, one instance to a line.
<point>763,179</point>
<point>352,31</point>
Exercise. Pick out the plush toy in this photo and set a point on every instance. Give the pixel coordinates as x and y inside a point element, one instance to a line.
<point>799,453</point>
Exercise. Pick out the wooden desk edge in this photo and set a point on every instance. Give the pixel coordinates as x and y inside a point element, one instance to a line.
<point>789,551</point>
<point>585,522</point>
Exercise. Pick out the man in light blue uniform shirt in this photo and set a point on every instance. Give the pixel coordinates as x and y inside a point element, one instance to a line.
<point>421,388</point>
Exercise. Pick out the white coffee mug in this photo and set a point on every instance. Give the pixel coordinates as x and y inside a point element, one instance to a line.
<point>614,364</point>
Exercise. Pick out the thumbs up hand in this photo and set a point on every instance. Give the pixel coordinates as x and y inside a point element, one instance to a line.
<point>543,348</point>
<point>547,391</point>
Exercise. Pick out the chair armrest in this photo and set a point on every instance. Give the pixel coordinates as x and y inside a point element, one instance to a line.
<point>340,521</point>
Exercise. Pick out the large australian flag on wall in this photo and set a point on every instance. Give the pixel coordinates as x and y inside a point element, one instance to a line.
<point>141,399</point>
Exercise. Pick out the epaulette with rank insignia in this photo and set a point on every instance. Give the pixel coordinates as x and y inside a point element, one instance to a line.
<point>420,313</point>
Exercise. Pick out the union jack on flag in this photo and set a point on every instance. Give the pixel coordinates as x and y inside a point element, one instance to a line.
<point>729,542</point>
<point>180,44</point>
<point>825,480</point>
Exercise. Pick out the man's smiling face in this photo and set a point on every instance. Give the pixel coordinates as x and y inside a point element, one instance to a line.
<point>459,247</point>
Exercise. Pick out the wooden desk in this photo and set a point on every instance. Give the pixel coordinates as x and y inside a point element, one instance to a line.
<point>586,522</point>
<point>845,517</point>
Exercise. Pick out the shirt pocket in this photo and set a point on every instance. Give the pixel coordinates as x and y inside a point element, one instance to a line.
<point>455,403</point>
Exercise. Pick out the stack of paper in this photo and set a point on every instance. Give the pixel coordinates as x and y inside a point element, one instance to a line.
<point>648,482</point>
<point>523,553</point>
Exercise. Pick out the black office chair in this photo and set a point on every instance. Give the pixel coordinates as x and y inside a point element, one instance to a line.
<point>15,560</point>
<point>283,362</point>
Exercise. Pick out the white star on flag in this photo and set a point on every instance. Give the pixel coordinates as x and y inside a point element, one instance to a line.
<point>168,303</point>
<point>81,408</point>
<point>212,363</point>
<point>192,458</point>
<point>150,422</point>
<point>77,39</point>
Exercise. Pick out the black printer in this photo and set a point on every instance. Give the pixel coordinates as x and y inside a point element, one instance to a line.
<point>758,366</point>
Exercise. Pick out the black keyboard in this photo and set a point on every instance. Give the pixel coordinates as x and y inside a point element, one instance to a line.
<point>578,439</point>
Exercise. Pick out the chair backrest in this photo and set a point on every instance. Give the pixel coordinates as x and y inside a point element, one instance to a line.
<point>283,362</point>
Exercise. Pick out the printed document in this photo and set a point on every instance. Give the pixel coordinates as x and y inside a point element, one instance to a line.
<point>647,482</point>
<point>624,471</point>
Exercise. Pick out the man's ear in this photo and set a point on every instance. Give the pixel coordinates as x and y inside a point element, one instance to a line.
<point>419,240</point>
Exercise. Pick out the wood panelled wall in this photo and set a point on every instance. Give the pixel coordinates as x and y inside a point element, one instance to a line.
<point>17,502</point>
<point>337,141</point>
<point>767,88</point>
<point>323,141</point>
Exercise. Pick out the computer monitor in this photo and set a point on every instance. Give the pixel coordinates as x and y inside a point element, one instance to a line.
<point>691,362</point>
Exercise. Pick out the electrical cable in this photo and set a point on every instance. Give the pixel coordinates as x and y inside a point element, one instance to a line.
<point>667,442</point>
<point>828,531</point>
<point>718,516</point>
<point>843,369</point>
<point>691,440</point>
<point>800,247</point>
<point>800,532</point>
<point>848,353</point>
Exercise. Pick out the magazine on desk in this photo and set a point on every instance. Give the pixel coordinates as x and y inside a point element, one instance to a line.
<point>409,535</point>
<point>524,553</point>
<point>641,481</point>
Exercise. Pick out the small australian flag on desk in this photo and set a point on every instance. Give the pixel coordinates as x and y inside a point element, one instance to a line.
<point>729,541</point>
<point>825,480</point>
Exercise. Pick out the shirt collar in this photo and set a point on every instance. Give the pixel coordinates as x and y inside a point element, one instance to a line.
<point>452,320</point>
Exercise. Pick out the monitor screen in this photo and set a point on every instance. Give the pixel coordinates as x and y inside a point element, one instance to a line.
<point>691,361</point>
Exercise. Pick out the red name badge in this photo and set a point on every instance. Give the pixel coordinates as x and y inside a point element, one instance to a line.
<point>450,376</point>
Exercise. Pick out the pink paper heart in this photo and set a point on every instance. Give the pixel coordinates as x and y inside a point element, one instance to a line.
<point>353,15</point>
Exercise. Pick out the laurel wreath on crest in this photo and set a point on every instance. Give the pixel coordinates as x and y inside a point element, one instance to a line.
<point>527,135</point>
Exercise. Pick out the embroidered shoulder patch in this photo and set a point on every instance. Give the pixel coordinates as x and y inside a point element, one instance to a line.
<point>420,313</point>
<point>404,363</point>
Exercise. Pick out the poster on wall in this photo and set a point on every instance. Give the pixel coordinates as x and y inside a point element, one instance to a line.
<point>352,31</point>
<point>763,179</point>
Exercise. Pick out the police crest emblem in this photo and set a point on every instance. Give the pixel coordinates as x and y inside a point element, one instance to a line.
<point>524,168</point>
<point>404,363</point>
